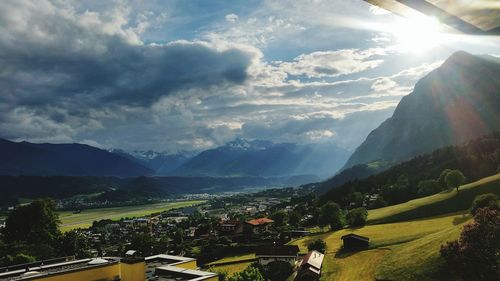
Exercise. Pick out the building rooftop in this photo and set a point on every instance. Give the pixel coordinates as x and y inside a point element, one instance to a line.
<point>173,273</point>
<point>355,236</point>
<point>314,259</point>
<point>33,272</point>
<point>284,250</point>
<point>162,260</point>
<point>261,221</point>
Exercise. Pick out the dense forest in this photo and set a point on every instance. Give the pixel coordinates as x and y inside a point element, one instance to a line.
<point>476,159</point>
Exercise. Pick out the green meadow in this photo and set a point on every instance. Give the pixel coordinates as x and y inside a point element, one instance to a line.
<point>84,219</point>
<point>404,239</point>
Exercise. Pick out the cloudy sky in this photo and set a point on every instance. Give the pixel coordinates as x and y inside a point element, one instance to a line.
<point>190,75</point>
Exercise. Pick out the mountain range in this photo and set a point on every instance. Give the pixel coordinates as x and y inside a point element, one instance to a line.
<point>44,159</point>
<point>455,103</point>
<point>240,158</point>
<point>264,158</point>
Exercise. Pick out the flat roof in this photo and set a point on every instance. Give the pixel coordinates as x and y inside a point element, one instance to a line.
<point>35,272</point>
<point>173,273</point>
<point>155,261</point>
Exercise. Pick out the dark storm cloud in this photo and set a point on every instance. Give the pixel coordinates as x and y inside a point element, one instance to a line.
<point>48,54</point>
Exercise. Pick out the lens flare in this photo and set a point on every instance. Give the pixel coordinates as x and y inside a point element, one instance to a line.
<point>417,34</point>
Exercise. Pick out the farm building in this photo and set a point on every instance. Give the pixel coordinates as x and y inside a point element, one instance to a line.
<point>286,253</point>
<point>310,267</point>
<point>355,242</point>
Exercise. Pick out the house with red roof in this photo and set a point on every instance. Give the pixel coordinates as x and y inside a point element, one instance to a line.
<point>260,225</point>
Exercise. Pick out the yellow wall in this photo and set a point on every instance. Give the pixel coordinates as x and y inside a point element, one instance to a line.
<point>188,265</point>
<point>108,272</point>
<point>133,272</point>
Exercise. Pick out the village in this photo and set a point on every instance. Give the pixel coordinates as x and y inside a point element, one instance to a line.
<point>223,226</point>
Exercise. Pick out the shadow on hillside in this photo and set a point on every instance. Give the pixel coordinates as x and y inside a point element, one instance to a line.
<point>460,219</point>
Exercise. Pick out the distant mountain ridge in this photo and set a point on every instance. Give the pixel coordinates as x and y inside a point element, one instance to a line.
<point>44,159</point>
<point>456,102</point>
<point>264,158</point>
<point>161,163</point>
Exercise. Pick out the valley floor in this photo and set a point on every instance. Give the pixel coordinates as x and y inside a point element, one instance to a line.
<point>84,219</point>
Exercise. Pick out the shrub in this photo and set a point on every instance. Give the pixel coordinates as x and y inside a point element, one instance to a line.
<point>379,202</point>
<point>428,187</point>
<point>488,200</point>
<point>317,245</point>
<point>474,256</point>
<point>357,217</point>
<point>277,271</point>
<point>249,274</point>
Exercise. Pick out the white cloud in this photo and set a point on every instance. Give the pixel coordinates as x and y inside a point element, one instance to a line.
<point>333,63</point>
<point>231,17</point>
<point>383,84</point>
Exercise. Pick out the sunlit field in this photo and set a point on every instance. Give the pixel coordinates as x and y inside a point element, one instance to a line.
<point>86,217</point>
<point>405,250</point>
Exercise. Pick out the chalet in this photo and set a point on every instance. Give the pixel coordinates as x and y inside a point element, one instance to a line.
<point>310,267</point>
<point>258,226</point>
<point>230,227</point>
<point>286,253</point>
<point>299,233</point>
<point>355,242</point>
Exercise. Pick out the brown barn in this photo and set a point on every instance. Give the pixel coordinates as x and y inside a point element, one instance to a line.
<point>355,242</point>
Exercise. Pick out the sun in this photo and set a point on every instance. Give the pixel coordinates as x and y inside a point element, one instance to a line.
<point>417,34</point>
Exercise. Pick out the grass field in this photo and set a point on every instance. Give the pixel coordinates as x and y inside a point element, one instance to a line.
<point>84,219</point>
<point>404,239</point>
<point>389,244</point>
<point>438,204</point>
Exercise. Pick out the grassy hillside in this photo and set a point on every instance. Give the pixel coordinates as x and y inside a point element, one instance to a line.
<point>441,203</point>
<point>387,242</point>
<point>404,239</point>
<point>84,219</point>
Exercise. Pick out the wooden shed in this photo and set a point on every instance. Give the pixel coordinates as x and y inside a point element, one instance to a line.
<point>355,242</point>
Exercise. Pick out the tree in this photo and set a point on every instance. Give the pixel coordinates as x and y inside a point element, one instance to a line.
<point>35,223</point>
<point>317,245</point>
<point>221,272</point>
<point>355,198</point>
<point>22,258</point>
<point>294,218</point>
<point>249,274</point>
<point>73,243</point>
<point>474,256</point>
<point>331,214</point>
<point>488,200</point>
<point>379,202</point>
<point>357,217</point>
<point>428,187</point>
<point>442,178</point>
<point>454,179</point>
<point>277,271</point>
<point>280,217</point>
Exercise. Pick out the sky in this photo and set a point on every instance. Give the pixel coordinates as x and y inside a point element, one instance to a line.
<point>170,76</point>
